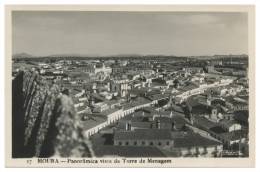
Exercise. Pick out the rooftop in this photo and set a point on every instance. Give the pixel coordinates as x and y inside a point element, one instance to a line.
<point>176,108</point>
<point>236,101</point>
<point>193,140</point>
<point>158,96</point>
<point>141,113</point>
<point>136,102</point>
<point>201,109</point>
<point>93,121</point>
<point>108,111</point>
<point>217,130</point>
<point>188,87</point>
<point>143,134</point>
<point>227,123</point>
<point>142,125</point>
<point>205,123</point>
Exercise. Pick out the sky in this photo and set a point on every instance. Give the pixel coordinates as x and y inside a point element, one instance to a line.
<point>43,33</point>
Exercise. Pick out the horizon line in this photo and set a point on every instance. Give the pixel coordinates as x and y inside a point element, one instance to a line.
<point>126,55</point>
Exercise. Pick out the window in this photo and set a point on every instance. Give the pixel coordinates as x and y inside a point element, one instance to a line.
<point>135,143</point>
<point>159,143</point>
<point>143,142</point>
<point>151,143</point>
<point>168,143</point>
<point>119,143</point>
<point>126,143</point>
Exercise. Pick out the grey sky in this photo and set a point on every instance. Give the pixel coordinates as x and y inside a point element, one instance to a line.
<point>108,33</point>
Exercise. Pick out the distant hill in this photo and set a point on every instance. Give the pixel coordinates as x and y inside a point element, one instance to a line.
<point>79,56</point>
<point>67,55</point>
<point>93,55</point>
<point>22,55</point>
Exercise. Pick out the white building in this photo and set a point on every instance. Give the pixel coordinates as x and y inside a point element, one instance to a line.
<point>100,107</point>
<point>230,125</point>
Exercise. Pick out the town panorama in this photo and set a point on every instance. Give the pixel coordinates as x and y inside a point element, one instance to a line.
<point>131,106</point>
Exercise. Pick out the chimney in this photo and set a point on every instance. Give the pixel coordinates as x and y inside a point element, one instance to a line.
<point>172,125</point>
<point>171,114</point>
<point>94,87</point>
<point>209,97</point>
<point>214,113</point>
<point>208,101</point>
<point>128,126</point>
<point>158,124</point>
<point>108,86</point>
<point>191,119</point>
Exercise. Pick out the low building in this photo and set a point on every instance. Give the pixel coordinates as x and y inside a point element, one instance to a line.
<point>77,92</point>
<point>98,121</point>
<point>100,107</point>
<point>236,103</point>
<point>230,125</point>
<point>144,137</point>
<point>138,103</point>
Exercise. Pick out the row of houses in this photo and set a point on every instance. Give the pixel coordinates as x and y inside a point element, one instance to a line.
<point>180,144</point>
<point>113,115</point>
<point>195,90</point>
